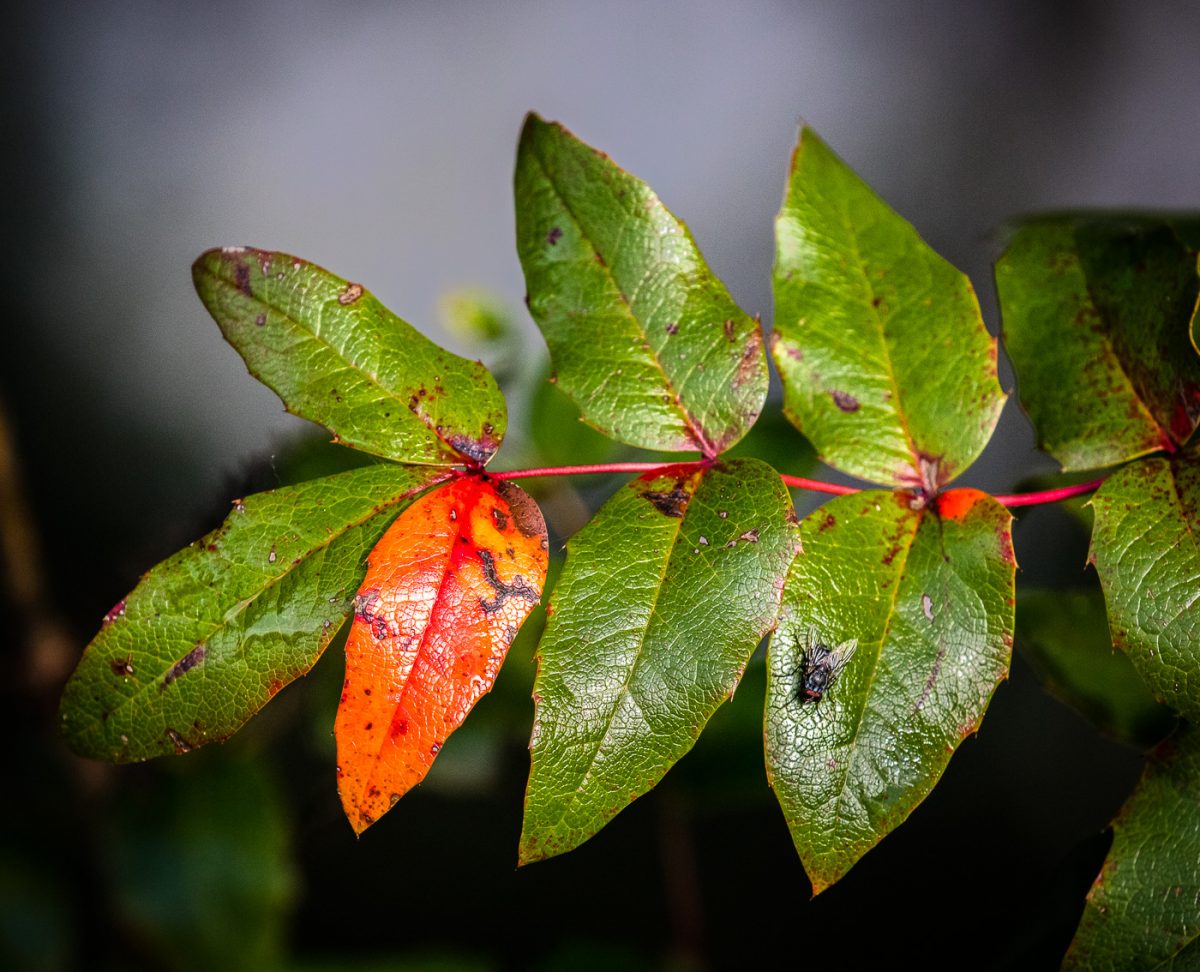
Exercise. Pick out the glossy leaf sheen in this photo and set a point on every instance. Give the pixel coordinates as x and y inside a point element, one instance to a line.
<point>212,633</point>
<point>337,356</point>
<point>1145,549</point>
<point>642,336</point>
<point>1143,912</point>
<point>446,590</point>
<point>886,365</point>
<point>1096,321</point>
<point>929,598</point>
<point>664,596</point>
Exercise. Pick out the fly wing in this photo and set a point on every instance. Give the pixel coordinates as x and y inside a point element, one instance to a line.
<point>841,656</point>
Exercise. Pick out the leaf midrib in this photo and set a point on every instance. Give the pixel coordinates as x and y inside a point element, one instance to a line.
<point>353,367</point>
<point>699,439</point>
<point>637,663</point>
<point>242,606</point>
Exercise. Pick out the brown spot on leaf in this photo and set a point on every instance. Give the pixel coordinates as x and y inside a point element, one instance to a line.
<point>554,236</point>
<point>845,401</point>
<point>518,588</point>
<point>241,275</point>
<point>525,512</point>
<point>122,666</point>
<point>185,664</point>
<point>352,292</point>
<point>829,521</point>
<point>477,450</point>
<point>672,503</point>
<point>181,745</point>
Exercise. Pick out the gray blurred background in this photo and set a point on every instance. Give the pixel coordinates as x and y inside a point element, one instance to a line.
<point>377,139</point>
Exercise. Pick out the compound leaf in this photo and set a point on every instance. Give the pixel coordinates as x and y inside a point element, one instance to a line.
<point>645,340</point>
<point>928,596</point>
<point>1097,321</point>
<point>1145,550</point>
<point>212,633</point>
<point>875,333</point>
<point>337,356</point>
<point>664,596</point>
<point>446,590</point>
<point>1143,911</point>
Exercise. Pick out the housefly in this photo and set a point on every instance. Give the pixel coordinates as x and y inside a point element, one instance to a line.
<point>821,665</point>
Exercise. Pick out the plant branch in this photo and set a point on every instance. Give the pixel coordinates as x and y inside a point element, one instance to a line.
<point>796,482</point>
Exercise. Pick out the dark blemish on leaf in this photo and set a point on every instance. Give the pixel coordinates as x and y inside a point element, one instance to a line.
<point>673,503</point>
<point>845,401</point>
<point>750,536</point>
<point>729,335</point>
<point>477,450</point>
<point>260,320</point>
<point>368,727</point>
<point>352,292</point>
<point>510,633</point>
<point>931,681</point>
<point>829,521</point>
<point>927,606</point>
<point>748,366</point>
<point>876,301</point>
<point>554,236</point>
<point>518,588</point>
<point>500,518</point>
<point>181,745</point>
<point>185,664</point>
<point>116,611</point>
<point>122,666</point>
<point>241,274</point>
<point>366,691</point>
<point>274,687</point>
<point>524,511</point>
<point>399,727</point>
<point>365,604</point>
<point>672,327</point>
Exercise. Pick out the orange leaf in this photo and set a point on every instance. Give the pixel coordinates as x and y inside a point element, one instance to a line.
<point>446,590</point>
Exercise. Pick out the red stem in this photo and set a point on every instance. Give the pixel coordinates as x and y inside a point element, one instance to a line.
<point>798,482</point>
<point>1049,495</point>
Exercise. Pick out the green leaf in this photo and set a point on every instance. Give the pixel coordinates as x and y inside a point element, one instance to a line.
<point>664,596</point>
<point>928,596</point>
<point>1143,912</point>
<point>875,334</point>
<point>1064,635</point>
<point>212,633</point>
<point>201,868</point>
<point>643,337</point>
<point>1145,550</point>
<point>337,356</point>
<point>1097,317</point>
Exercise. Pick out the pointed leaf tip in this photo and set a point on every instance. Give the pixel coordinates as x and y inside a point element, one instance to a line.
<point>875,332</point>
<point>644,338</point>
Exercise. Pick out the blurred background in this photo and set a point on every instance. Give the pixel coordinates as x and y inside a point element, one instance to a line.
<point>377,139</point>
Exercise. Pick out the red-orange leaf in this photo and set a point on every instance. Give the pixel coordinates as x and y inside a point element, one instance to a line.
<point>445,592</point>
